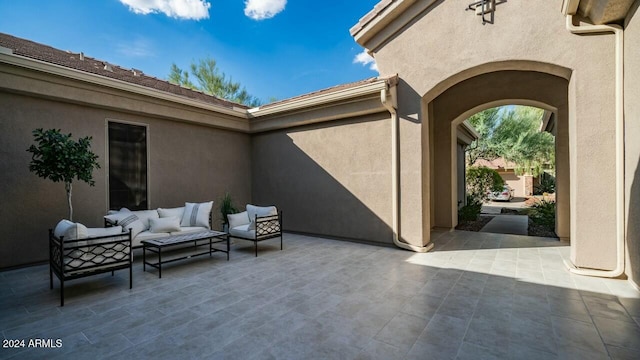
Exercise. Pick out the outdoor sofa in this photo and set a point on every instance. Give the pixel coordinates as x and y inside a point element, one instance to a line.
<point>256,224</point>
<point>162,222</point>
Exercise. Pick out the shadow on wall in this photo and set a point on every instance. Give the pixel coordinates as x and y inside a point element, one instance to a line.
<point>312,199</point>
<point>633,227</point>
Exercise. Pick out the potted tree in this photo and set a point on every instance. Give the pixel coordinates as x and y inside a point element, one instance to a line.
<point>226,208</point>
<point>58,157</point>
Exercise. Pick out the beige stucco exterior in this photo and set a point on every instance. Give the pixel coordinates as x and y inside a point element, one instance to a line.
<point>632,146</point>
<point>525,57</point>
<point>187,162</point>
<point>375,162</point>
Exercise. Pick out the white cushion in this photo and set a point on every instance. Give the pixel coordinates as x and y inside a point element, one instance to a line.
<point>197,214</point>
<point>243,231</point>
<point>189,229</point>
<point>236,220</point>
<point>108,231</point>
<point>70,230</point>
<point>253,210</point>
<point>145,216</point>
<point>177,212</point>
<point>165,225</point>
<point>127,220</point>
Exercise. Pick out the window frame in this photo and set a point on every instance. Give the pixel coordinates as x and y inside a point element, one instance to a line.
<point>107,163</point>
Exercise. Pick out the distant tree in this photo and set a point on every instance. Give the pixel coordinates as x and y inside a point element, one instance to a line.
<point>58,157</point>
<point>513,135</point>
<point>485,122</point>
<point>212,81</point>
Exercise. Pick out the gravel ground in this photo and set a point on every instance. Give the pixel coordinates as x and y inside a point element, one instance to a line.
<point>474,225</point>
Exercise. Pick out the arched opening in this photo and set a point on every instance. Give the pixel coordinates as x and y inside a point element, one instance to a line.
<point>515,145</point>
<point>463,96</point>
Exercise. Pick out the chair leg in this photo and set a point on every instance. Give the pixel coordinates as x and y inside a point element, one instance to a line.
<point>280,242</point>
<point>256,245</point>
<point>130,276</point>
<point>50,278</point>
<point>61,292</point>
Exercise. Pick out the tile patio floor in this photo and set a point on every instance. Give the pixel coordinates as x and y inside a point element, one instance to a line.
<point>478,296</point>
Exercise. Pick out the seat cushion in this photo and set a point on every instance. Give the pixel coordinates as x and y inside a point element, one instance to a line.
<point>243,231</point>
<point>189,229</point>
<point>97,232</point>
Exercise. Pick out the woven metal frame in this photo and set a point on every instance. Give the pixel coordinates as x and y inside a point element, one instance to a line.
<point>74,259</point>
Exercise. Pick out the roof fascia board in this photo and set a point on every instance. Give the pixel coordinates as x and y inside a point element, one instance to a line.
<point>321,99</point>
<point>58,70</point>
<point>381,20</point>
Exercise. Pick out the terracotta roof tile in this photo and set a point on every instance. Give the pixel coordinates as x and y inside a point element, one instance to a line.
<point>79,61</point>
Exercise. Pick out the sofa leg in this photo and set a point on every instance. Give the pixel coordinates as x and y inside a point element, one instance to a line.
<point>280,242</point>
<point>256,246</point>
<point>50,278</point>
<point>130,276</point>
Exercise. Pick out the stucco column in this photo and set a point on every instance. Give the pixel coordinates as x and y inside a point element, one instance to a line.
<point>563,208</point>
<point>412,210</point>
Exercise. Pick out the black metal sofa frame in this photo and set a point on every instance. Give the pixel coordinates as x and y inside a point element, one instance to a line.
<point>74,259</point>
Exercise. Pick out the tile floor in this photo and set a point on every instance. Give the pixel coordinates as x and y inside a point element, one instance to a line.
<point>477,296</point>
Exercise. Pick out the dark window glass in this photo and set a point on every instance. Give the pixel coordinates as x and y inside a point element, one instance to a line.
<point>127,166</point>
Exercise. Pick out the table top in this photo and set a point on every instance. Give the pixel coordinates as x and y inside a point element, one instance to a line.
<point>182,238</point>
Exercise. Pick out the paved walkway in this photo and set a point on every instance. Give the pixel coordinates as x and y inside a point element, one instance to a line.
<point>508,224</point>
<point>476,296</point>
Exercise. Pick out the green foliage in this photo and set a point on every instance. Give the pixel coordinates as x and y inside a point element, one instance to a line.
<point>544,213</point>
<point>212,81</point>
<point>59,158</point>
<point>547,185</point>
<point>226,207</point>
<point>480,180</point>
<point>471,211</point>
<point>515,136</point>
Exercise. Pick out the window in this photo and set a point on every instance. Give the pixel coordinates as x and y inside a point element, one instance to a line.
<point>127,166</point>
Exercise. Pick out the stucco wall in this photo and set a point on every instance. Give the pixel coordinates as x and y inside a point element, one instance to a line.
<point>187,163</point>
<point>432,53</point>
<point>329,179</point>
<point>632,146</point>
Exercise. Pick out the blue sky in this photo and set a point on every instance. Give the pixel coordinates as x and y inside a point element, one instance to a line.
<point>275,48</point>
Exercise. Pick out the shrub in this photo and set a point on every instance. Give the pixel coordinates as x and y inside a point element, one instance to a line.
<point>470,211</point>
<point>547,185</point>
<point>480,180</point>
<point>544,213</point>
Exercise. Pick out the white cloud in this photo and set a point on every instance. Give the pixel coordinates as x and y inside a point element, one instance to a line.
<point>180,9</point>
<point>365,59</point>
<point>263,9</point>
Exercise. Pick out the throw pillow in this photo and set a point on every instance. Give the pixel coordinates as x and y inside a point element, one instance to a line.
<point>127,220</point>
<point>70,230</point>
<point>145,216</point>
<point>238,219</point>
<point>167,224</point>
<point>197,214</point>
<point>173,212</point>
<point>253,210</point>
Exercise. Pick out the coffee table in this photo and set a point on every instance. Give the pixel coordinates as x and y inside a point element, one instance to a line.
<point>199,239</point>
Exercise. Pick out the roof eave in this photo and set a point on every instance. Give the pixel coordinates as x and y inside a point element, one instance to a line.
<point>323,99</point>
<point>58,70</point>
